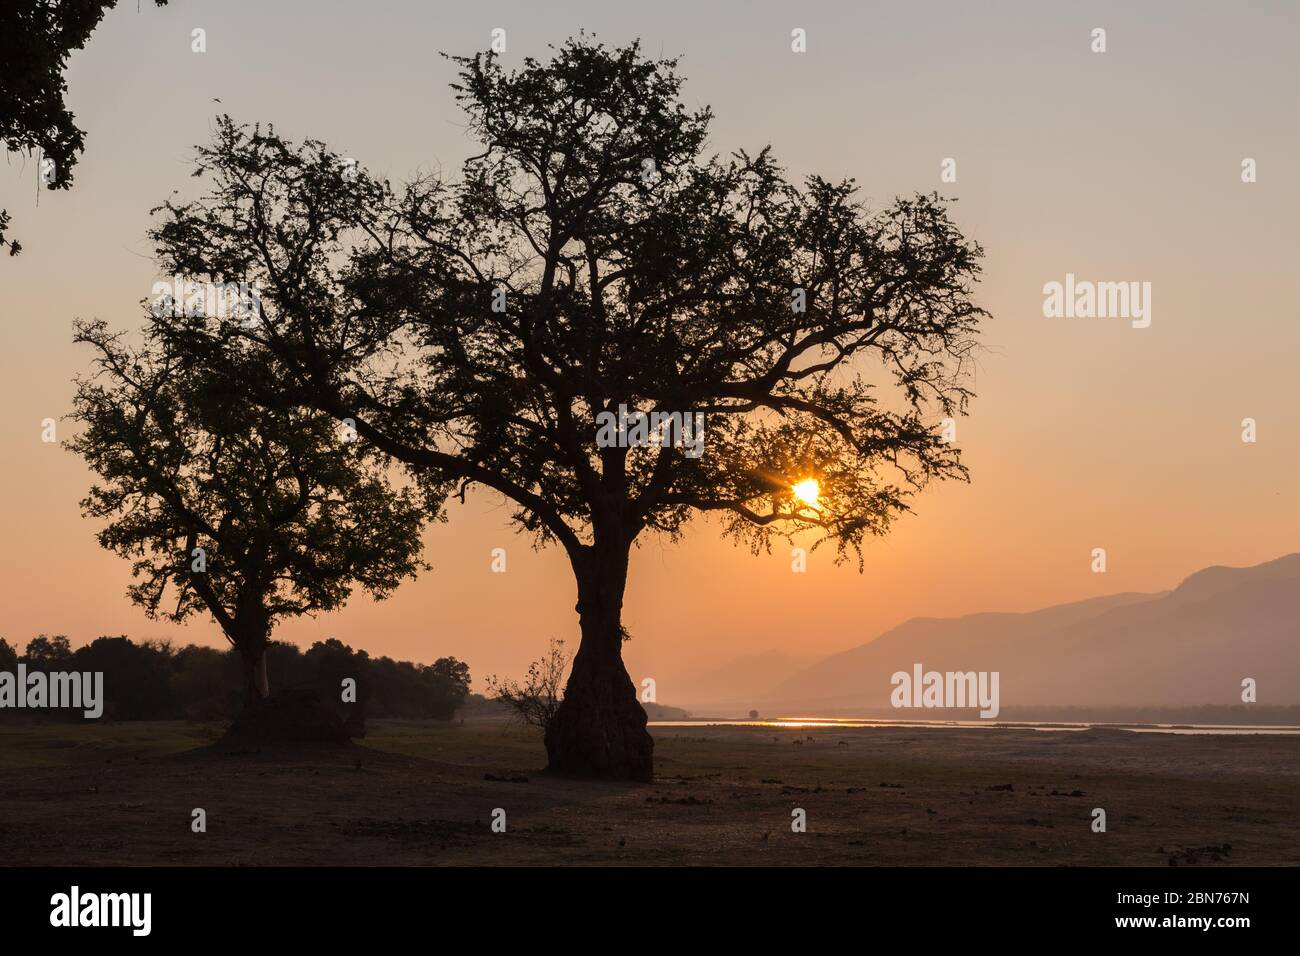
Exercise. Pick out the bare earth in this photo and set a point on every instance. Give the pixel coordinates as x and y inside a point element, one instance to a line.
<point>415,793</point>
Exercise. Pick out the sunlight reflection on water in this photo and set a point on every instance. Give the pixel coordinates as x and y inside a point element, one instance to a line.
<point>844,723</point>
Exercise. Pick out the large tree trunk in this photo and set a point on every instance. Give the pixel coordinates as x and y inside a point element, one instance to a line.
<point>256,687</point>
<point>599,729</point>
<point>260,676</point>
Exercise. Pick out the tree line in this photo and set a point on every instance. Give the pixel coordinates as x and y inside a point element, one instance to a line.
<point>152,680</point>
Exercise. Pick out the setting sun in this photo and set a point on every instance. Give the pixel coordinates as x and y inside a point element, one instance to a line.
<point>807,491</point>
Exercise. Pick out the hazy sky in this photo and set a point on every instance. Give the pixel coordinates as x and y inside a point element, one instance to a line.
<point>1087,432</point>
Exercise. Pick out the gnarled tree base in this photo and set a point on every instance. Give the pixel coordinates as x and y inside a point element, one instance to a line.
<point>600,731</point>
<point>289,717</point>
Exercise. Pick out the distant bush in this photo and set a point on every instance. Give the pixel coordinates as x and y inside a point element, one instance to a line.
<point>535,700</point>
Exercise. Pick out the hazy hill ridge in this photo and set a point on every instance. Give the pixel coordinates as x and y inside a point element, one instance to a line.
<point>1189,646</point>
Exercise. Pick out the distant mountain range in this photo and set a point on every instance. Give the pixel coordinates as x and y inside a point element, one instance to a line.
<point>1186,647</point>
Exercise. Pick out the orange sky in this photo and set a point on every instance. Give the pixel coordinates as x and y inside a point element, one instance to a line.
<point>1123,166</point>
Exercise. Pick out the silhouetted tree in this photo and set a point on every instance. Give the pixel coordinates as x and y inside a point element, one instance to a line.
<point>36,37</point>
<point>201,684</point>
<point>592,257</point>
<point>386,687</point>
<point>48,653</point>
<point>328,664</point>
<point>137,677</point>
<point>8,656</point>
<point>249,513</point>
<point>448,681</point>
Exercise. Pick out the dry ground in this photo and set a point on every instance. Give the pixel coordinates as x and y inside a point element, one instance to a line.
<point>415,793</point>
